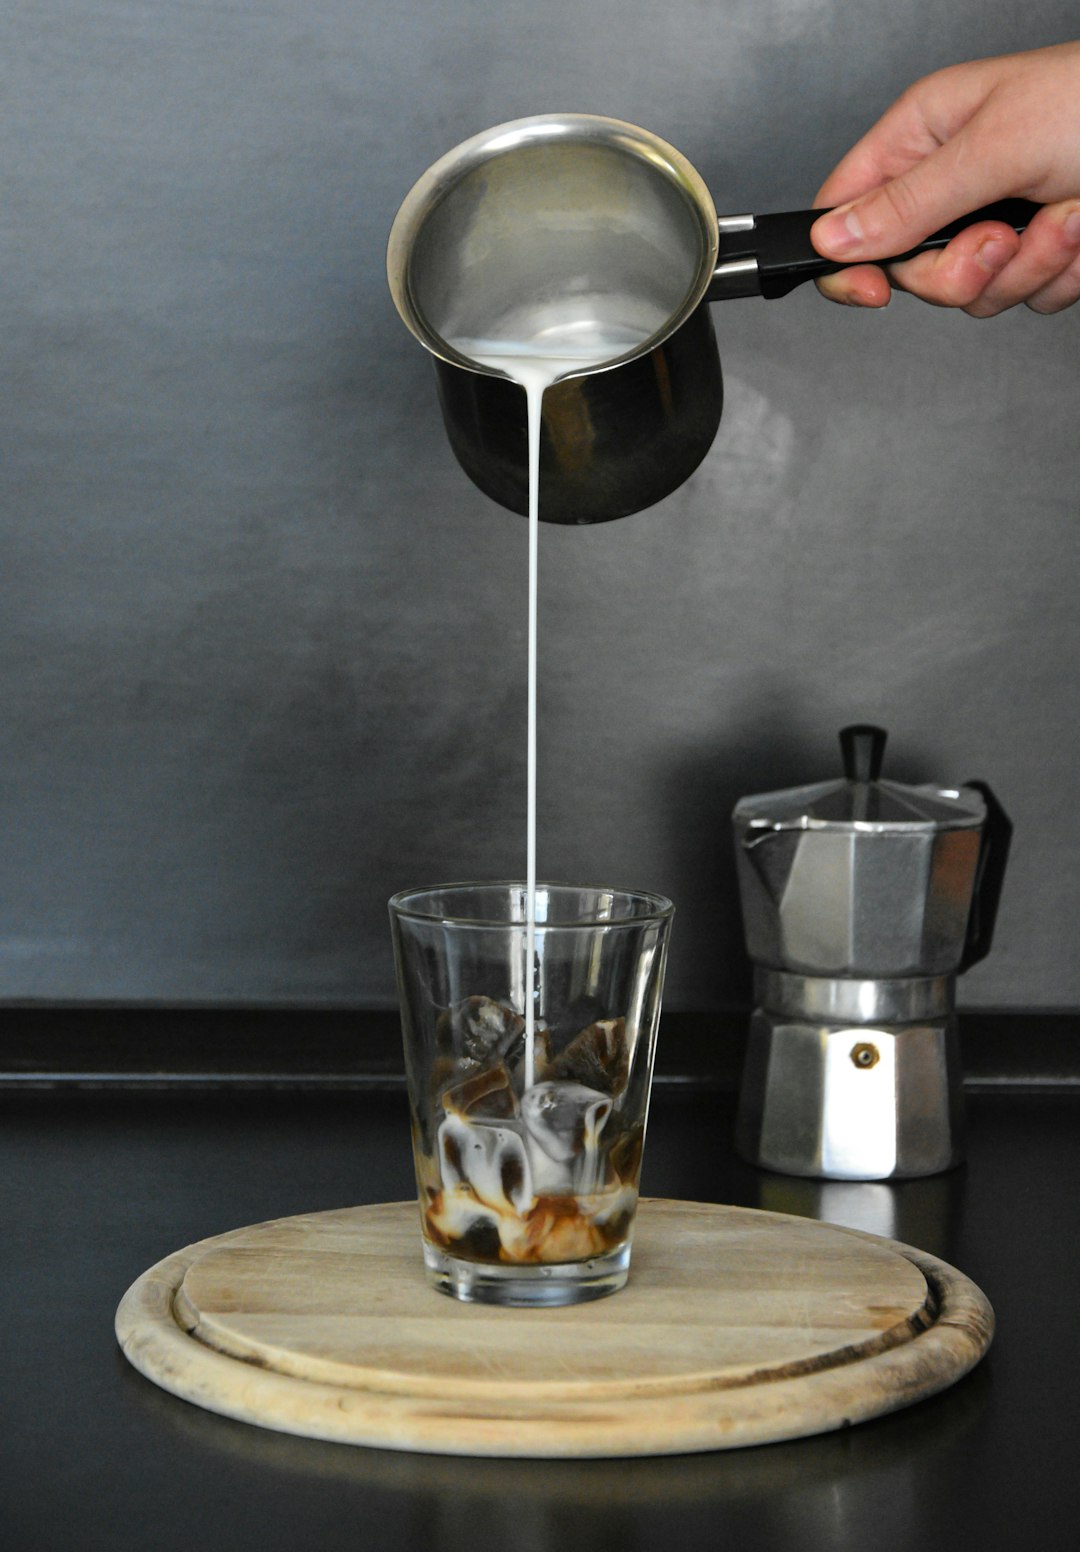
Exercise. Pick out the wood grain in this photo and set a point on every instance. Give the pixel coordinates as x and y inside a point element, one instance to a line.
<point>737,1327</point>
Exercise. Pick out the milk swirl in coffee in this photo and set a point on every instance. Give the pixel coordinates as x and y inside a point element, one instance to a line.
<point>531,1160</point>
<point>539,1171</point>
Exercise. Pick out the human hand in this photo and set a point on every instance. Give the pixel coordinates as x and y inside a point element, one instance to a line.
<point>953,142</point>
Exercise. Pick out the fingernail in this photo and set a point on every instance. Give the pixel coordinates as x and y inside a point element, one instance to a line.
<point>1071,227</point>
<point>993,254</point>
<point>840,231</point>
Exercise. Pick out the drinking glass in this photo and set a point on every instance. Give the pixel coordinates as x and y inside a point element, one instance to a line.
<point>528,1140</point>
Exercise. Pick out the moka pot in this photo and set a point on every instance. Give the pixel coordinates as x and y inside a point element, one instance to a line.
<point>862,900</point>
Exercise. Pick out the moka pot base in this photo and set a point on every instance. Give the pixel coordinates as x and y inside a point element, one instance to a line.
<point>852,1079</point>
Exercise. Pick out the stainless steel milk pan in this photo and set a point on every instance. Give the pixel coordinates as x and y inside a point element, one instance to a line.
<point>571,221</point>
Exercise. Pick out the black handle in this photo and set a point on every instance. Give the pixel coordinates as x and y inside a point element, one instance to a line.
<point>863,749</point>
<point>989,878</point>
<point>786,257</point>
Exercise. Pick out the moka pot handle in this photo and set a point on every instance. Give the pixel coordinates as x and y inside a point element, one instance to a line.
<point>989,878</point>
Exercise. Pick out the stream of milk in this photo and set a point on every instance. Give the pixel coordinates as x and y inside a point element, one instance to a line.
<point>536,367</point>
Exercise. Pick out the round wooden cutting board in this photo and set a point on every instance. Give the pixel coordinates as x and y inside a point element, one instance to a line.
<point>736,1327</point>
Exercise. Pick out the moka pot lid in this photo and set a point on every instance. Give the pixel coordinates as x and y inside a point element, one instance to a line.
<point>861,801</point>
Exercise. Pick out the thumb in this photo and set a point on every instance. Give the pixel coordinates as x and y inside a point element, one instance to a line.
<point>898,214</point>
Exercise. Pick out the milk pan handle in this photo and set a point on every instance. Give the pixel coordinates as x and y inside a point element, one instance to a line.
<point>785,257</point>
<point>989,878</point>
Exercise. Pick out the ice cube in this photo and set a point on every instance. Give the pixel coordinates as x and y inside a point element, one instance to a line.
<point>565,1119</point>
<point>455,1217</point>
<point>446,1072</point>
<point>597,1057</point>
<point>550,1177</point>
<point>479,1029</point>
<point>489,1158</point>
<point>487,1094</point>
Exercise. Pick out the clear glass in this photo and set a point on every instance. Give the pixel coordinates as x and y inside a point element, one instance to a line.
<point>528,1151</point>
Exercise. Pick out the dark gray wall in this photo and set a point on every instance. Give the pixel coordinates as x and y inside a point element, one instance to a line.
<point>262,645</point>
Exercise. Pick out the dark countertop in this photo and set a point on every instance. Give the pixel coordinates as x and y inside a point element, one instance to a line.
<point>97,1187</point>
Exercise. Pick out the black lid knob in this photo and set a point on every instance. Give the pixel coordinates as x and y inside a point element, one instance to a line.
<point>863,749</point>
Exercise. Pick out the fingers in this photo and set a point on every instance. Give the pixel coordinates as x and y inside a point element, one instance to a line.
<point>898,140</point>
<point>960,274</point>
<point>949,183</point>
<point>917,124</point>
<point>912,129</point>
<point>955,276</point>
<point>988,268</point>
<point>985,270</point>
<point>1040,273</point>
<point>946,147</point>
<point>861,285</point>
<point>1060,293</point>
<point>954,141</point>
